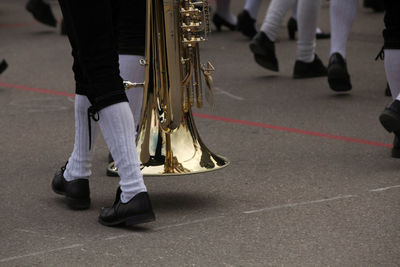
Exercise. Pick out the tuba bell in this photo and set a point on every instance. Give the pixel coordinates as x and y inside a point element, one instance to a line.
<point>167,141</point>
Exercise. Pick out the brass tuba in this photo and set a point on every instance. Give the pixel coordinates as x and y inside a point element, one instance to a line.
<point>167,141</point>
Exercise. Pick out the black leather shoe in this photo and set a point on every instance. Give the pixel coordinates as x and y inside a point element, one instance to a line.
<point>376,5</point>
<point>264,51</point>
<point>246,24</point>
<point>41,11</point>
<point>220,21</point>
<point>137,210</point>
<point>3,65</point>
<point>396,146</point>
<point>322,35</point>
<point>338,76</point>
<point>387,90</point>
<point>292,28</point>
<point>309,70</point>
<point>77,193</point>
<point>390,117</point>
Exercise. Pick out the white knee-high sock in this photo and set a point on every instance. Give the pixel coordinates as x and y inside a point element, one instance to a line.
<point>131,70</point>
<point>79,163</point>
<point>118,128</point>
<point>224,10</point>
<point>273,19</point>
<point>294,15</point>
<point>342,14</point>
<point>392,69</point>
<point>252,6</point>
<point>307,19</point>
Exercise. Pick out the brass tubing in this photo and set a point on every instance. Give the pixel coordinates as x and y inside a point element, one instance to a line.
<point>190,88</point>
<point>197,77</point>
<point>168,165</point>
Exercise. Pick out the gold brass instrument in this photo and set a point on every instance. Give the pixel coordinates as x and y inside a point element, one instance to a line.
<point>167,141</point>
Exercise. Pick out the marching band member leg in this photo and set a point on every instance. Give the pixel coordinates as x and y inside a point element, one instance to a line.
<point>390,117</point>
<point>308,65</point>
<point>342,14</point>
<point>131,70</point>
<point>131,49</point>
<point>292,26</point>
<point>246,20</point>
<point>91,27</point>
<point>263,43</point>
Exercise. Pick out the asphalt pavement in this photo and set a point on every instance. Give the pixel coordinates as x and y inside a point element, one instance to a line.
<point>310,183</point>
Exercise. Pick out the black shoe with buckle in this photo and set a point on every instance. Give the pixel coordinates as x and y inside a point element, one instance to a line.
<point>246,24</point>
<point>338,76</point>
<point>309,69</point>
<point>390,117</point>
<point>76,192</point>
<point>264,51</point>
<point>136,211</point>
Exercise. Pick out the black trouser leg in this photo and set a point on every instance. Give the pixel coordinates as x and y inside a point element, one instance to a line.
<point>92,31</point>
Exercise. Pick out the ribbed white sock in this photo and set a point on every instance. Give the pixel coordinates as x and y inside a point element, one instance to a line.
<point>307,19</point>
<point>294,15</point>
<point>273,19</point>
<point>118,128</point>
<point>392,69</point>
<point>224,10</point>
<point>342,14</point>
<point>132,71</point>
<point>252,6</point>
<point>79,163</point>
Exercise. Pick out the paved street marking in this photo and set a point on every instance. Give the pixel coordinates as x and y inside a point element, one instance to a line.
<point>166,227</point>
<point>290,205</point>
<point>40,253</point>
<point>223,92</point>
<point>384,188</point>
<point>37,233</point>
